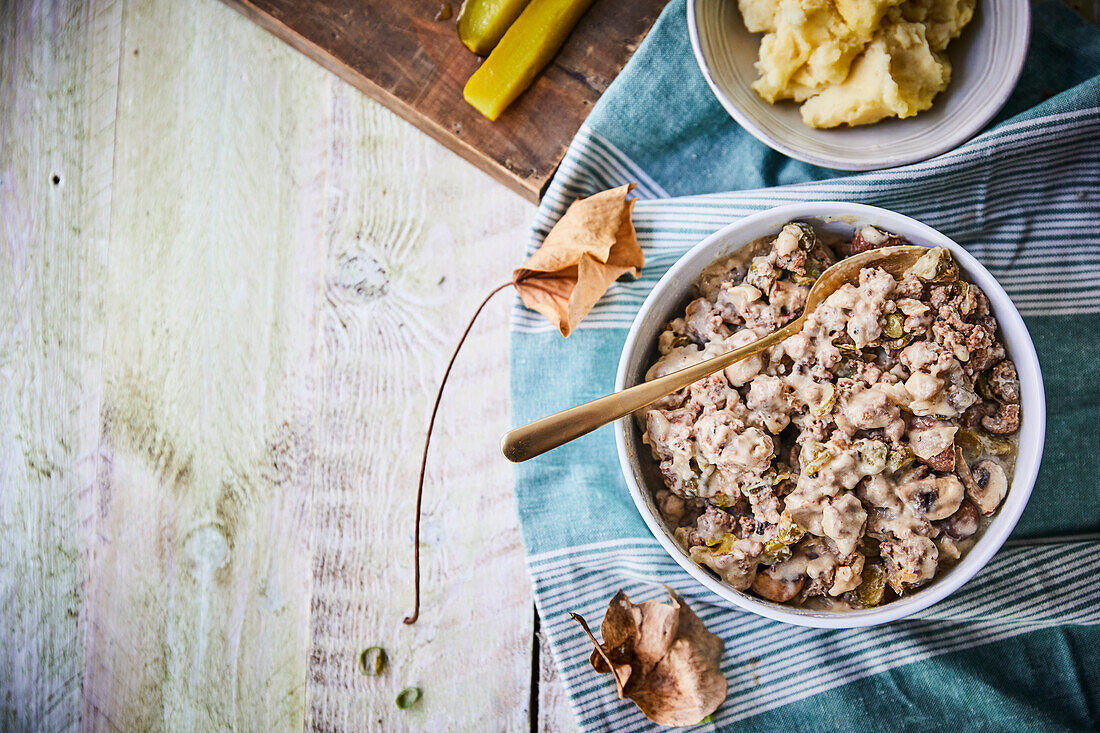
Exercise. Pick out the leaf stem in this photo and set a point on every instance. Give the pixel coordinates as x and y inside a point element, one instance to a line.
<point>424,459</point>
<point>599,648</point>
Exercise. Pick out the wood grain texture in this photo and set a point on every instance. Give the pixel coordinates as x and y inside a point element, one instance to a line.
<point>555,712</point>
<point>413,243</point>
<point>224,323</point>
<point>200,555</point>
<point>47,260</point>
<point>398,54</point>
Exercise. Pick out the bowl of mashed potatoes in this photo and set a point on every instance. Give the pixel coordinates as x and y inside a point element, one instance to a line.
<point>859,471</point>
<point>861,84</point>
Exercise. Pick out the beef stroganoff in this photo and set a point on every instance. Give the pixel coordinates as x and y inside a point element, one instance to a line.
<point>853,462</point>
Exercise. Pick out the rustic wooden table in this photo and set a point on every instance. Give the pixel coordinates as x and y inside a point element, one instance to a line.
<point>230,284</point>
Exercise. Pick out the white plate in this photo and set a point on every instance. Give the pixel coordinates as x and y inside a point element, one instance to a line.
<point>986,62</point>
<point>671,294</point>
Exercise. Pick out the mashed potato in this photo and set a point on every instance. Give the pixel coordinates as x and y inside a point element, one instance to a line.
<point>854,61</point>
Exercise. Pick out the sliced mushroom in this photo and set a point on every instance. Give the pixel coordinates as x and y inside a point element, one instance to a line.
<point>1004,382</point>
<point>772,585</point>
<point>931,497</point>
<point>963,523</point>
<point>987,486</point>
<point>1005,422</point>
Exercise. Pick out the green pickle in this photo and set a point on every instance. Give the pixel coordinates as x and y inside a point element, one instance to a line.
<point>813,457</point>
<point>483,22</point>
<point>964,300</point>
<point>846,369</point>
<point>722,545</point>
<point>873,586</point>
<point>758,279</point>
<point>775,551</point>
<point>893,327</point>
<point>787,531</point>
<point>999,446</point>
<point>981,386</point>
<point>898,343</point>
<point>970,444</point>
<point>936,266</point>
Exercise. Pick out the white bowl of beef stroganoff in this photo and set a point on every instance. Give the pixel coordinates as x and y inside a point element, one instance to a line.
<point>676,289</point>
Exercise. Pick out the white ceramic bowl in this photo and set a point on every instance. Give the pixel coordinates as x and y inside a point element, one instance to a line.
<point>986,62</point>
<point>667,301</point>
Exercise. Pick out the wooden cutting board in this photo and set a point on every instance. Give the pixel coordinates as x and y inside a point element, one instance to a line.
<point>396,52</point>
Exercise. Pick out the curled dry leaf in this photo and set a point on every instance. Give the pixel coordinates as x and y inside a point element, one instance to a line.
<point>591,246</point>
<point>662,658</point>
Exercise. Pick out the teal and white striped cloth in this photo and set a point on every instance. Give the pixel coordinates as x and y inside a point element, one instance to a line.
<point>1018,648</point>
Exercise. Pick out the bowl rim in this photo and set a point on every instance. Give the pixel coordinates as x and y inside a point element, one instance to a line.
<point>970,125</point>
<point>1014,334</point>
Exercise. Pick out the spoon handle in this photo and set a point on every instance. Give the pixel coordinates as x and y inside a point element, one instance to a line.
<point>536,438</point>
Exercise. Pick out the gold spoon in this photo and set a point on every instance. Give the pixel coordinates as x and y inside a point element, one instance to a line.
<point>536,438</point>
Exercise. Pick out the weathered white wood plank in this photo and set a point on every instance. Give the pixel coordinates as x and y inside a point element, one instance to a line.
<point>555,712</point>
<point>239,188</point>
<point>198,592</point>
<point>415,239</point>
<point>57,88</point>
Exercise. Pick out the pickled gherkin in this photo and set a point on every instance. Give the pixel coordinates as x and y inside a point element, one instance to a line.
<point>846,369</point>
<point>787,531</point>
<point>526,48</point>
<point>970,444</point>
<point>998,446</point>
<point>965,304</point>
<point>722,545</point>
<point>893,326</point>
<point>807,237</point>
<point>936,266</point>
<point>680,340</point>
<point>813,457</point>
<point>722,500</point>
<point>981,386</point>
<point>898,343</point>
<point>775,551</point>
<point>850,350</point>
<point>483,22</point>
<point>758,276</point>
<point>873,586</point>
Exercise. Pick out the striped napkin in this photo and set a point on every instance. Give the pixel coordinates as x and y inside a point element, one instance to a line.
<point>1016,648</point>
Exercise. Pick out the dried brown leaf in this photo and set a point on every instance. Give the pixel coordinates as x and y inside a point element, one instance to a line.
<point>662,658</point>
<point>591,246</point>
